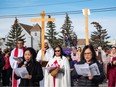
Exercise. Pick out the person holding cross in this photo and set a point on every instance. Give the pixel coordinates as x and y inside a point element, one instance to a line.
<point>48,54</point>
<point>46,51</point>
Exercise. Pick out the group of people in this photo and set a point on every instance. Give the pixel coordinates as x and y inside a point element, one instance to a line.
<point>59,68</point>
<point>5,69</point>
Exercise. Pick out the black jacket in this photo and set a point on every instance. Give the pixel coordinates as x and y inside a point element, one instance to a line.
<point>2,62</point>
<point>83,81</point>
<point>34,69</point>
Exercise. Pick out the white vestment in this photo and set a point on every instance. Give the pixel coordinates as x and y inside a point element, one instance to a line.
<point>103,55</point>
<point>76,57</point>
<point>48,55</point>
<point>13,62</point>
<point>61,79</point>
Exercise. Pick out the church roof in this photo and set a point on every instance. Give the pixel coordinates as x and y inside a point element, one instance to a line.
<point>26,27</point>
<point>29,28</point>
<point>36,28</point>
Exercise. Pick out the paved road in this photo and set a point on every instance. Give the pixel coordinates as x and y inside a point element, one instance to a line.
<point>104,85</point>
<point>101,85</point>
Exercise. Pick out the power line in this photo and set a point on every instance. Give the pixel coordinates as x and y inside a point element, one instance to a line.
<point>44,4</point>
<point>104,9</point>
<point>62,13</point>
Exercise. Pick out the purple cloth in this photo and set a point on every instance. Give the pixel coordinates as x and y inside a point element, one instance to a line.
<point>74,61</point>
<point>67,51</point>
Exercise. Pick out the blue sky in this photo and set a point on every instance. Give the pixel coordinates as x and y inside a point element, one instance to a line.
<point>20,7</point>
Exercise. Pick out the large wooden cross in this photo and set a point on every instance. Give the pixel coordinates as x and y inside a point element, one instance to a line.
<point>86,12</point>
<point>42,20</point>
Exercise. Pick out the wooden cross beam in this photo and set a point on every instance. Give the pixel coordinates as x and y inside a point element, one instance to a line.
<point>42,20</point>
<point>86,12</point>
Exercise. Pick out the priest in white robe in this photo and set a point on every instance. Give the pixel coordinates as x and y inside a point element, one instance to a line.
<point>48,54</point>
<point>62,78</point>
<point>15,54</point>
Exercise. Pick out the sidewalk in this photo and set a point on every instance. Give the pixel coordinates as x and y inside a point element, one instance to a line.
<point>104,85</point>
<point>101,85</point>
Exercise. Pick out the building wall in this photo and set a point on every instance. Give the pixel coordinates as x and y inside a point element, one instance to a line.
<point>35,39</point>
<point>112,42</point>
<point>31,40</point>
<point>27,38</point>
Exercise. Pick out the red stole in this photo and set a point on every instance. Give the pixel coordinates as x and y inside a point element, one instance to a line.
<point>55,63</point>
<point>16,51</point>
<point>14,82</point>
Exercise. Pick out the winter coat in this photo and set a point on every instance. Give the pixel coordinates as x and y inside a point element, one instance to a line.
<point>34,69</point>
<point>83,81</point>
<point>2,62</point>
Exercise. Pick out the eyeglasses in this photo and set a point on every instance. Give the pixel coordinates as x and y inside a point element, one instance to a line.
<point>57,50</point>
<point>89,53</point>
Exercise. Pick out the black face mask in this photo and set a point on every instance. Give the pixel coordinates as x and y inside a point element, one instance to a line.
<point>47,47</point>
<point>99,53</point>
<point>74,54</point>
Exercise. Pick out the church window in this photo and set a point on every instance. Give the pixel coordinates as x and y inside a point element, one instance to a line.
<point>35,34</point>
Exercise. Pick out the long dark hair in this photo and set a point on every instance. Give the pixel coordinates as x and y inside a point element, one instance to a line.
<point>6,51</point>
<point>93,53</point>
<point>33,53</point>
<point>61,51</point>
